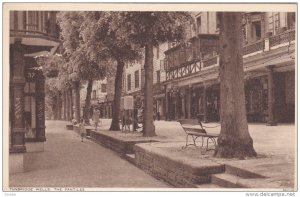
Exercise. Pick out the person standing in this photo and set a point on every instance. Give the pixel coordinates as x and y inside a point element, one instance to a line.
<point>82,129</point>
<point>96,120</point>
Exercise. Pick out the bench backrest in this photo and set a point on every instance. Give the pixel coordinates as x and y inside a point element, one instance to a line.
<point>191,122</point>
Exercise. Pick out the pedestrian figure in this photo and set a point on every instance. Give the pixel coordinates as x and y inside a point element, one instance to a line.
<point>82,129</point>
<point>96,118</point>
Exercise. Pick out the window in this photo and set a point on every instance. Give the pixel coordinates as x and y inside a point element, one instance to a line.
<point>158,76</point>
<point>291,20</point>
<point>136,79</point>
<point>256,30</point>
<point>103,87</point>
<point>94,94</point>
<point>276,20</point>
<point>199,24</point>
<point>128,82</point>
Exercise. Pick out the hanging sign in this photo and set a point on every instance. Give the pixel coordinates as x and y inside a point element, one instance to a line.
<point>128,102</point>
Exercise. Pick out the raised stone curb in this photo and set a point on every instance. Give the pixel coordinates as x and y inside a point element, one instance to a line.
<point>178,171</point>
<point>116,143</point>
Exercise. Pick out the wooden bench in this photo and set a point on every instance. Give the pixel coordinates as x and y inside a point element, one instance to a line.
<point>197,132</point>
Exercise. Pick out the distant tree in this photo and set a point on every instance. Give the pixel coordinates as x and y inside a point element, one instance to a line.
<point>234,139</point>
<point>146,30</point>
<point>100,36</point>
<point>81,67</point>
<point>53,67</point>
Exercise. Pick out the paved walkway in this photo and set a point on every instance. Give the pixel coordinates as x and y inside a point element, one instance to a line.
<point>271,140</point>
<point>68,162</point>
<point>275,145</point>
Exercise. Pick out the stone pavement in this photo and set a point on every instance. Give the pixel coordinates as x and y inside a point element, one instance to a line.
<point>68,162</point>
<point>275,145</point>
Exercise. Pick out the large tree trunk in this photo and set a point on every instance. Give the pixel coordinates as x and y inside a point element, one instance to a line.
<point>117,97</point>
<point>76,86</point>
<point>87,106</point>
<point>148,124</point>
<point>234,140</point>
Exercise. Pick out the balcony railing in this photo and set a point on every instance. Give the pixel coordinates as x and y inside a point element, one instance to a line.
<point>258,46</point>
<point>282,38</point>
<point>251,49</point>
<point>210,61</point>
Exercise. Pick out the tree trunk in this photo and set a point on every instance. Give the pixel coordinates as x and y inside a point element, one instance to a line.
<point>65,105</point>
<point>117,97</point>
<point>148,124</point>
<point>59,105</point>
<point>87,106</point>
<point>234,140</point>
<point>71,104</point>
<point>54,108</point>
<point>76,87</point>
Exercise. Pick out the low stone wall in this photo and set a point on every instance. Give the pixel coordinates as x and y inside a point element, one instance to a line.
<point>121,146</point>
<point>176,171</point>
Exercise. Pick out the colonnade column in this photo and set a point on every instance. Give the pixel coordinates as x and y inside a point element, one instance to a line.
<point>40,107</point>
<point>17,83</point>
<point>271,99</point>
<point>205,118</point>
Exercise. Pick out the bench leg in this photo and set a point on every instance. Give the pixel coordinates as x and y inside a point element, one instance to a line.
<point>213,140</point>
<point>194,141</point>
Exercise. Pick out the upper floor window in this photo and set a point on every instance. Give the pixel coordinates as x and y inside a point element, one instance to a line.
<point>199,24</point>
<point>129,82</point>
<point>256,30</point>
<point>291,20</point>
<point>158,76</point>
<point>136,79</point>
<point>157,52</point>
<point>94,94</point>
<point>103,88</point>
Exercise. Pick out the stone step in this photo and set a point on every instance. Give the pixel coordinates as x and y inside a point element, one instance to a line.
<point>207,185</point>
<point>130,158</point>
<point>229,169</point>
<point>227,180</point>
<point>232,181</point>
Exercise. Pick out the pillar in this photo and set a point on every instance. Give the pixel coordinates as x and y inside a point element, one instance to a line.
<point>40,107</point>
<point>271,99</point>
<point>167,105</point>
<point>205,118</point>
<point>17,83</point>
<point>189,102</point>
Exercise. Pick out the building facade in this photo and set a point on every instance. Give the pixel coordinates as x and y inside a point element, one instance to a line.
<point>186,80</point>
<point>31,34</point>
<point>192,84</point>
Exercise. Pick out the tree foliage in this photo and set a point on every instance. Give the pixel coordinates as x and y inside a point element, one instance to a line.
<point>146,30</point>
